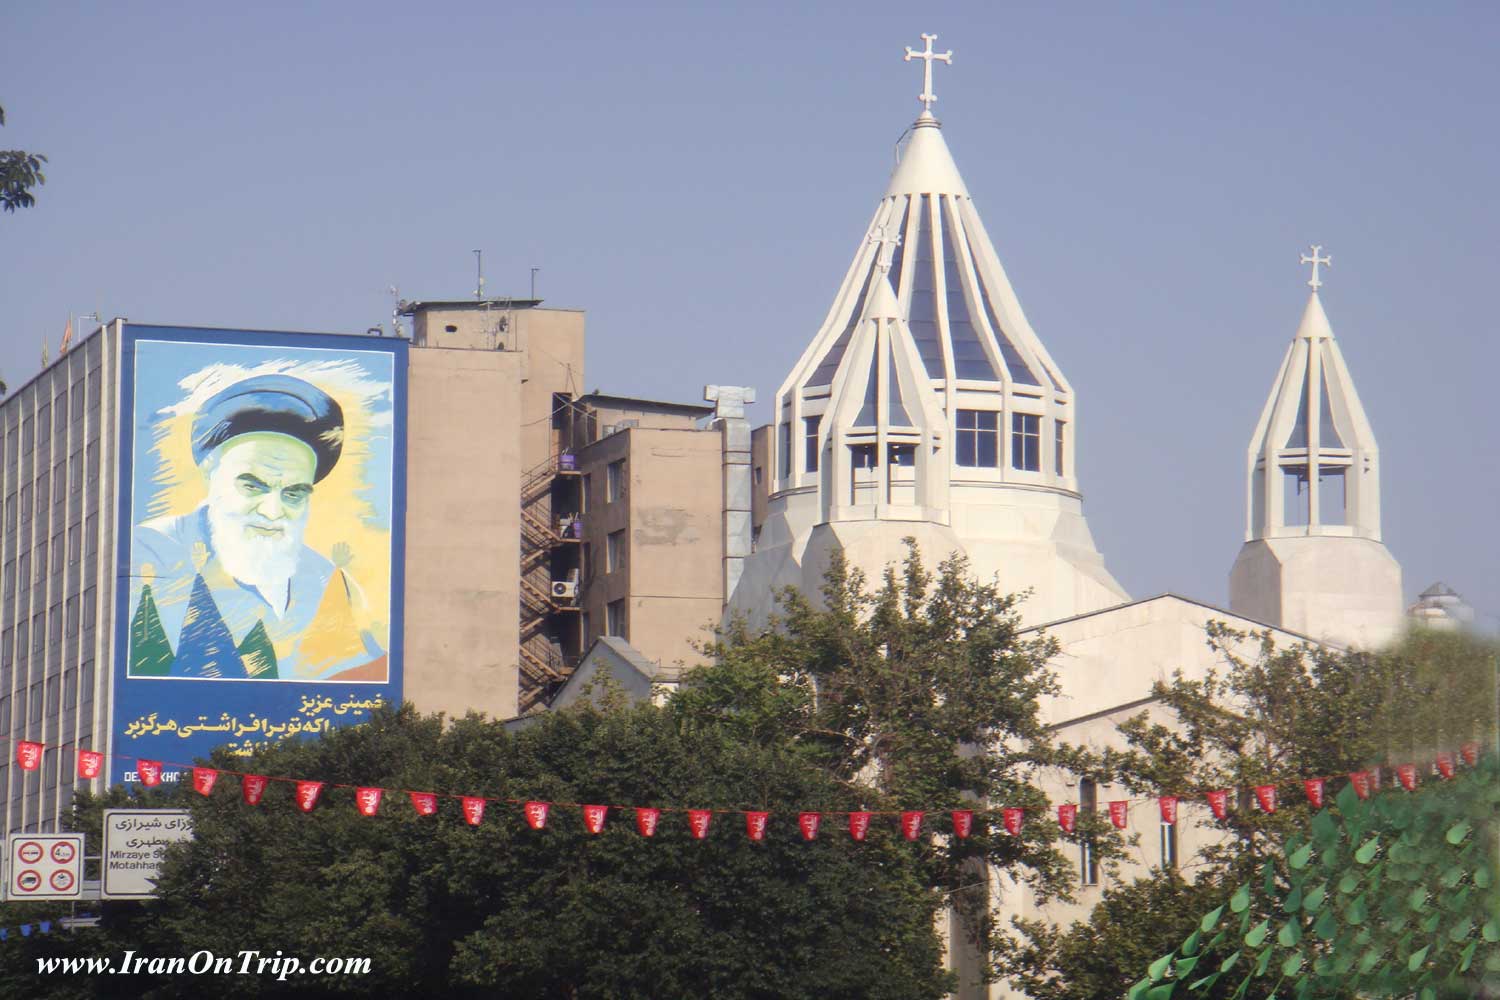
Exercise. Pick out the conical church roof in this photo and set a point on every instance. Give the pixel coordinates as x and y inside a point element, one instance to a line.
<point>955,297</point>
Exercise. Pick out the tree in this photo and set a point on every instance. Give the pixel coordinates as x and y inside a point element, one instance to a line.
<point>922,695</point>
<point>1276,718</point>
<point>499,909</point>
<point>19,173</point>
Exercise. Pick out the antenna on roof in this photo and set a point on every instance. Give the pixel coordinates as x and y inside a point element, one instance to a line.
<point>534,270</point>
<point>479,269</point>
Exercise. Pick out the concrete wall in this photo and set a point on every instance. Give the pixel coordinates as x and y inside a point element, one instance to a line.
<point>57,461</point>
<point>463,531</point>
<point>760,474</point>
<point>669,571</point>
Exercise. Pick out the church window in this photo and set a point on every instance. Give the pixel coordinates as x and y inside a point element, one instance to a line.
<point>1026,442</point>
<point>614,485</point>
<point>1088,804</point>
<point>786,450</point>
<point>1169,845</point>
<point>901,454</point>
<point>614,549</point>
<point>1296,498</point>
<point>978,439</point>
<point>1331,496</point>
<point>862,456</point>
<point>1061,428</point>
<point>614,619</point>
<point>810,441</point>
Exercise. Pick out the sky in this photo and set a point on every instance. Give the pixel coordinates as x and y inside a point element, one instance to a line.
<point>697,178</point>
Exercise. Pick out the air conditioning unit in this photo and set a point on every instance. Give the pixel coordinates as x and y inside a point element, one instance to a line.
<point>566,590</point>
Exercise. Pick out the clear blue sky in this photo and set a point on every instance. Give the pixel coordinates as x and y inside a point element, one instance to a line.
<point>697,178</point>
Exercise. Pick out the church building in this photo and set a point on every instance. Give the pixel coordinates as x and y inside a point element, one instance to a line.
<point>927,406</point>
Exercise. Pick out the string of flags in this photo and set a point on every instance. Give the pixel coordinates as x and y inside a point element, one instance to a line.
<point>368,799</point>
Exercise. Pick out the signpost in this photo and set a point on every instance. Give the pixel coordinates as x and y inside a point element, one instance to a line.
<point>45,866</point>
<point>135,841</point>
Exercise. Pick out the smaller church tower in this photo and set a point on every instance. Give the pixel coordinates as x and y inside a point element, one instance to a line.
<point>1313,560</point>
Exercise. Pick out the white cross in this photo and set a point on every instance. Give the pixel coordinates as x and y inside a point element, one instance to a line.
<point>1314,282</point>
<point>885,256</point>
<point>927,96</point>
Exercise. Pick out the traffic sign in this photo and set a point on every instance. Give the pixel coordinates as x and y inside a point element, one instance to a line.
<point>44,866</point>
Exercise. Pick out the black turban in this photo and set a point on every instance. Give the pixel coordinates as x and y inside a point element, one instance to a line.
<point>272,404</point>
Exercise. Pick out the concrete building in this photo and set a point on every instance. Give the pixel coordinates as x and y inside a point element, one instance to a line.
<point>652,514</point>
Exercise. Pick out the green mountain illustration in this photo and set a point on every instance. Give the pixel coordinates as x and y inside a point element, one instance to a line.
<point>150,651</point>
<point>258,655</point>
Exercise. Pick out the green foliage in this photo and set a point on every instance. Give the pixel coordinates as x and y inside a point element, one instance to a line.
<point>444,908</point>
<point>1125,933</point>
<point>19,173</point>
<point>1270,716</point>
<point>922,694</point>
<point>1394,896</point>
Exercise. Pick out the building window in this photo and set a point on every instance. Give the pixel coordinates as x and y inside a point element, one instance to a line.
<point>978,439</point>
<point>1026,442</point>
<point>758,472</point>
<point>1061,428</point>
<point>1088,804</point>
<point>904,455</point>
<point>1169,845</point>
<point>614,550</point>
<point>614,480</point>
<point>810,440</point>
<point>786,450</point>
<point>614,615</point>
<point>583,493</point>
<point>862,456</point>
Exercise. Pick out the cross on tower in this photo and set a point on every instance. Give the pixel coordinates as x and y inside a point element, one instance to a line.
<point>884,257</point>
<point>1314,282</point>
<point>927,56</point>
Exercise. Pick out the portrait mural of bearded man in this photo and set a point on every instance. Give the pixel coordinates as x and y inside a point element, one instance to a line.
<point>263,527</point>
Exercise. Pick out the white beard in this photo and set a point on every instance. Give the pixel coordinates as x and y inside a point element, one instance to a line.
<point>265,562</point>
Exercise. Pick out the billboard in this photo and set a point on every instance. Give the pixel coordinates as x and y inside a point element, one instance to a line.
<point>261,499</point>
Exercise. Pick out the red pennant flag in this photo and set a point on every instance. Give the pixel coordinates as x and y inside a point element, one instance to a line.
<point>646,821</point>
<point>593,818</point>
<point>859,825</point>
<point>425,803</point>
<point>1445,764</point>
<point>1314,789</point>
<point>1470,752</point>
<point>29,755</point>
<point>1168,805</point>
<point>1119,813</point>
<point>698,820</point>
<point>1361,782</point>
<point>536,814</point>
<point>911,825</point>
<point>150,772</point>
<point>473,810</point>
<point>367,800</point>
<point>253,787</point>
<point>755,824</point>
<point>1408,775</point>
<point>90,763</point>
<point>963,823</point>
<point>1012,818</point>
<point>1266,796</point>
<point>307,794</point>
<point>1218,801</point>
<point>1067,817</point>
<point>203,780</point>
<point>808,824</point>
